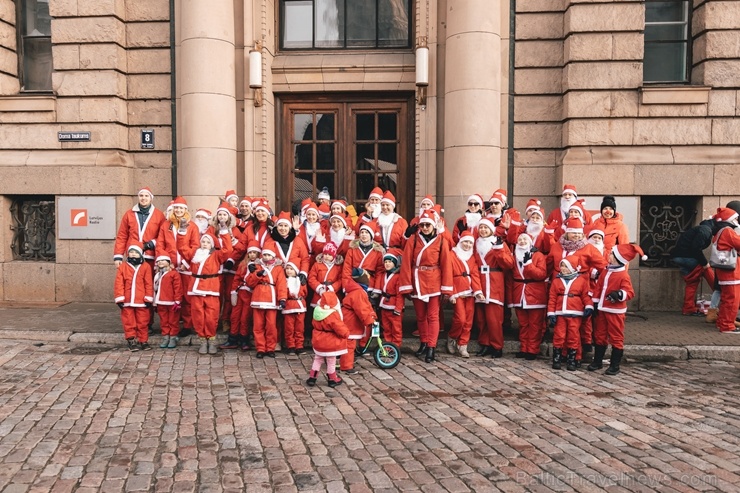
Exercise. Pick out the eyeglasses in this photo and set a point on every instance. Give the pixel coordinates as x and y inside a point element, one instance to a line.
<point>471,204</point>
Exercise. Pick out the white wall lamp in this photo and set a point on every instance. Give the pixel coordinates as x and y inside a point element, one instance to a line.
<point>422,70</point>
<point>255,72</point>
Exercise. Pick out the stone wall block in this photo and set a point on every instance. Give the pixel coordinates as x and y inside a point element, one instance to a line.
<point>153,10</point>
<point>538,81</point>
<point>89,282</point>
<point>103,7</point>
<point>539,53</point>
<point>148,34</point>
<point>538,108</point>
<point>159,179</point>
<point>681,110</point>
<point>535,181</point>
<point>587,47</point>
<point>152,159</point>
<point>605,17</point>
<point>540,6</point>
<point>9,84</point>
<point>7,13</point>
<point>103,110</point>
<point>586,104</point>
<point>84,251</point>
<point>88,30</point>
<point>598,180</point>
<point>721,73</point>
<point>22,180</point>
<point>102,57</point>
<point>598,132</point>
<point>68,110</point>
<point>716,15</point>
<point>628,46</point>
<point>538,135</point>
<point>102,136</point>
<point>605,156</point>
<point>624,103</point>
<point>539,26</point>
<point>29,281</point>
<point>149,112</point>
<point>149,86</point>
<point>8,61</point>
<point>66,57</point>
<point>62,8</point>
<point>722,44</point>
<point>672,180</point>
<point>98,180</point>
<point>726,131</point>
<point>89,83</point>
<point>672,131</point>
<point>602,75</point>
<point>43,136</point>
<point>726,178</point>
<point>148,61</point>
<point>7,36</point>
<point>535,157</point>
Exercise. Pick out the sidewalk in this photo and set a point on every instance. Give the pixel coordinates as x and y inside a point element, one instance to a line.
<point>655,336</point>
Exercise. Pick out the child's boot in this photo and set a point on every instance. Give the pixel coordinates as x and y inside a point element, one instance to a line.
<point>557,358</point>
<point>165,342</point>
<point>614,361</point>
<point>312,378</point>
<point>133,344</point>
<point>570,363</point>
<point>463,350</point>
<point>173,342</point>
<point>203,349</point>
<point>334,379</point>
<point>430,355</point>
<point>451,343</point>
<point>231,343</point>
<point>422,350</point>
<point>212,347</point>
<point>598,362</point>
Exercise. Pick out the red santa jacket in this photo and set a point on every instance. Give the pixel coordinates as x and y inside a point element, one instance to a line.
<point>240,249</point>
<point>296,301</point>
<point>530,290</point>
<point>296,254</point>
<point>313,244</point>
<point>167,241</point>
<point>341,241</point>
<point>322,277</point>
<point>569,297</point>
<point>542,241</point>
<point>372,262</point>
<point>357,311</point>
<point>590,259</point>
<point>239,282</point>
<point>267,289</point>
<point>330,333</point>
<point>426,269</point>
<point>206,273</point>
<point>167,288</point>
<point>133,285</point>
<point>130,230</point>
<point>465,276</point>
<point>392,236</point>
<point>727,239</point>
<point>613,279</point>
<point>387,285</point>
<point>491,266</point>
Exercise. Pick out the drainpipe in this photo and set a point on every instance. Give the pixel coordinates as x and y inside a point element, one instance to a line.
<point>510,153</point>
<point>173,99</point>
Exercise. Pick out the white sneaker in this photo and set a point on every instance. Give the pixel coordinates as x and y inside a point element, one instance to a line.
<point>463,351</point>
<point>278,347</point>
<point>736,331</point>
<point>451,343</point>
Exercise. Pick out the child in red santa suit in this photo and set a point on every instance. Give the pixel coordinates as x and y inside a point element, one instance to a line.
<point>294,312</point>
<point>466,290</point>
<point>391,303</point>
<point>241,300</point>
<point>134,295</point>
<point>328,339</point>
<point>727,239</point>
<point>569,303</point>
<point>167,299</point>
<point>358,314</point>
<point>613,291</point>
<point>269,294</point>
<point>529,296</point>
<point>326,273</point>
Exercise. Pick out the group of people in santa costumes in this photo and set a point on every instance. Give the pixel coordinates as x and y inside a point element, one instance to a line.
<point>260,274</point>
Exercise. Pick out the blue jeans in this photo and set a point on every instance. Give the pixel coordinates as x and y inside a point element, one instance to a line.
<point>685,264</point>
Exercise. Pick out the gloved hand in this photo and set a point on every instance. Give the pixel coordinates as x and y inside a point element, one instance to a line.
<point>615,296</point>
<point>252,267</point>
<point>176,307</point>
<point>148,304</point>
<point>281,304</point>
<point>261,273</point>
<point>229,265</point>
<point>396,313</point>
<point>551,321</point>
<point>499,240</point>
<point>445,298</point>
<point>595,274</point>
<point>234,299</point>
<point>527,257</point>
<point>411,230</point>
<point>149,245</point>
<point>120,305</point>
<point>303,279</point>
<point>588,312</point>
<point>374,299</point>
<point>183,226</point>
<point>461,226</point>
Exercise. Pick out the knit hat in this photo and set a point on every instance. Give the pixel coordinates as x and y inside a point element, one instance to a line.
<point>388,198</point>
<point>136,245</point>
<point>467,236</point>
<point>179,201</point>
<point>725,214</point>
<point>476,198</point>
<point>569,189</point>
<point>734,205</point>
<point>573,225</point>
<point>164,257</point>
<point>284,217</point>
<point>608,201</point>
<point>147,190</point>
<point>324,194</point>
<point>532,204</point>
<point>376,192</point>
<point>499,195</point>
<point>626,252</point>
<point>571,261</point>
<point>360,276</point>
<point>229,194</point>
<point>394,255</point>
<point>330,249</point>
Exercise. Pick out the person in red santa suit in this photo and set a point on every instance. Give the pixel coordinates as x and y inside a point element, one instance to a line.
<point>326,273</point>
<point>470,219</point>
<point>558,216</point>
<point>372,208</point>
<point>727,239</point>
<point>391,302</point>
<point>258,231</point>
<point>311,231</point>
<point>225,220</point>
<point>569,302</point>
<point>328,338</point>
<point>359,316</point>
<point>613,291</point>
<point>269,294</point>
<point>245,217</point>
<point>426,204</point>
<point>364,254</point>
<point>494,258</point>
<point>529,296</point>
<point>294,312</point>
<point>576,211</point>
<point>390,226</point>
<point>241,302</point>
<point>167,300</point>
<point>426,275</point>
<point>205,266</point>
<point>340,234</point>
<point>142,224</point>
<point>466,289</point>
<point>134,294</point>
<point>572,242</point>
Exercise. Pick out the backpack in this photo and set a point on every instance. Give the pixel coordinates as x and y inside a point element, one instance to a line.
<point>722,259</point>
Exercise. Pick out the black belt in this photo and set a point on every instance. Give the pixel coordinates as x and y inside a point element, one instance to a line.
<point>464,274</point>
<point>205,276</point>
<point>527,281</point>
<point>296,299</point>
<point>569,295</point>
<point>267,283</point>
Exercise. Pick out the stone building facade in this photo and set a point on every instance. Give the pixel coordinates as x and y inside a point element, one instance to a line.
<point>525,95</point>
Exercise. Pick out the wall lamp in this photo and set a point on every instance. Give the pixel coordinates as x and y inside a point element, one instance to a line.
<point>422,70</point>
<point>255,72</point>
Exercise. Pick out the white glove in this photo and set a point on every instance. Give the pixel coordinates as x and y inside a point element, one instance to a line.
<point>234,298</point>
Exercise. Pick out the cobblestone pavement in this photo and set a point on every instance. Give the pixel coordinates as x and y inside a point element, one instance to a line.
<point>171,420</point>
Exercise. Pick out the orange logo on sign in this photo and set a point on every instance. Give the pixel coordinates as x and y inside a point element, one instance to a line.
<point>79,217</point>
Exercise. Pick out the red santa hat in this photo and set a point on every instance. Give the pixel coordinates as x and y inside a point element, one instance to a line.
<point>246,200</point>
<point>305,203</point>
<point>208,236</point>
<point>394,255</point>
<point>284,217</point>
<point>340,217</point>
<point>329,301</point>
<point>428,216</point>
<point>579,206</point>
<point>625,252</point>
<point>204,213</point>
<point>538,211</point>
<point>179,201</point>
<point>532,204</point>
<point>268,250</point>
<point>527,237</point>
<point>571,261</point>
<point>725,215</point>
<point>312,207</point>
<point>136,245</point>
<point>569,189</point>
<point>324,210</point>
<point>164,257</point>
<point>147,190</point>
<point>294,266</point>
<point>596,231</point>
<point>388,198</point>
<point>370,227</point>
<point>340,203</point>
<point>376,192</point>
<point>253,246</point>
<point>573,225</point>
<point>330,249</point>
<point>499,195</point>
<point>428,199</point>
<point>229,194</point>
<point>466,236</point>
<point>223,207</point>
<point>261,205</point>
<point>487,222</point>
<point>476,198</point>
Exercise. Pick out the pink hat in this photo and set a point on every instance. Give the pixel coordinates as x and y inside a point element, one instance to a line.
<point>330,249</point>
<point>625,252</point>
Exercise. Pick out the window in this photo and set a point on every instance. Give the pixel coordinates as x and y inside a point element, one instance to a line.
<point>33,225</point>
<point>344,24</point>
<point>666,41</point>
<point>34,45</point>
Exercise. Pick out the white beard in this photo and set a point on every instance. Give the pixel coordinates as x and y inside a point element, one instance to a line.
<point>483,246</point>
<point>533,229</point>
<point>472,219</point>
<point>599,246</point>
<point>294,285</point>
<point>337,237</point>
<point>201,254</point>
<point>385,220</point>
<point>565,205</point>
<point>462,254</point>
<point>202,224</point>
<point>311,228</point>
<point>519,253</point>
<point>376,212</point>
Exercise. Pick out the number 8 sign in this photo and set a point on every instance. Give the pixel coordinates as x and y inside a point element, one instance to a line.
<point>147,139</point>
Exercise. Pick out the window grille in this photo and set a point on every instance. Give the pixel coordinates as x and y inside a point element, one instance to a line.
<point>33,225</point>
<point>662,220</point>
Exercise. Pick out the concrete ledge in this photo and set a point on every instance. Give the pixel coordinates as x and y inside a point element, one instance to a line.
<point>719,353</point>
<point>36,335</point>
<point>655,353</point>
<point>97,338</point>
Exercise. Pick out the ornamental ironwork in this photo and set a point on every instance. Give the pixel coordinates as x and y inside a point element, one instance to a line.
<point>34,223</point>
<point>662,220</point>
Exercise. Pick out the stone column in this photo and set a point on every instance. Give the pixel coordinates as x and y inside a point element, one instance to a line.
<point>472,106</point>
<point>206,81</point>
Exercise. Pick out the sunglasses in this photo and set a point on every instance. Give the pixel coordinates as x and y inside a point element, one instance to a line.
<point>425,225</point>
<point>471,204</point>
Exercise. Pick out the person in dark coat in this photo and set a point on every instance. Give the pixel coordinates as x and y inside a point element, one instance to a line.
<point>688,255</point>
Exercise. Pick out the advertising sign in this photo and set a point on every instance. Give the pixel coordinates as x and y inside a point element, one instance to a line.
<point>86,218</point>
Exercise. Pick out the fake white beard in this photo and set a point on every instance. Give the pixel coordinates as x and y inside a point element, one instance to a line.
<point>337,237</point>
<point>484,245</point>
<point>202,224</point>
<point>462,254</point>
<point>519,252</point>
<point>533,229</point>
<point>311,228</point>
<point>294,285</point>
<point>376,212</point>
<point>472,219</point>
<point>385,220</point>
<point>201,254</point>
<point>565,204</point>
<point>599,246</point>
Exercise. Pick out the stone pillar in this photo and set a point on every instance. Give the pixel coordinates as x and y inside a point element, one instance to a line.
<point>206,81</point>
<point>472,107</point>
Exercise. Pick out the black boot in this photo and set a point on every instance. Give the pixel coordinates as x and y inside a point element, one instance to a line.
<point>483,350</point>
<point>586,347</point>
<point>556,358</point>
<point>598,361</point>
<point>430,355</point>
<point>570,363</point>
<point>614,361</point>
<point>497,353</point>
<point>422,349</point>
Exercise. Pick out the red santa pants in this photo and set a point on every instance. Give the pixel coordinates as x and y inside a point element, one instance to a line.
<point>135,322</point>
<point>427,318</point>
<point>168,320</point>
<point>205,315</point>
<point>347,360</point>
<point>531,329</point>
<point>265,330</point>
<point>693,280</point>
<point>491,318</point>
<point>567,333</point>
<point>462,320</point>
<point>392,328</point>
<point>241,314</point>
<point>609,329</point>
<point>293,332</point>
<point>186,309</point>
<point>729,299</point>
<point>226,279</point>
